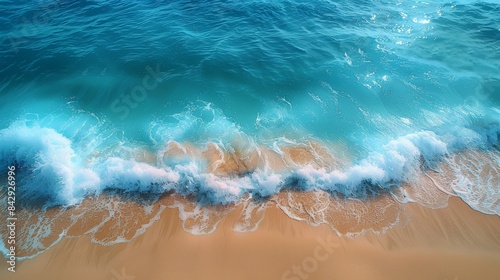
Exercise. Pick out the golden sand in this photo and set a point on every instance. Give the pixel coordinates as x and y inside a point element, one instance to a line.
<point>455,242</point>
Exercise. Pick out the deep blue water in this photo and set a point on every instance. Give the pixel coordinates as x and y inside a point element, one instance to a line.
<point>102,79</point>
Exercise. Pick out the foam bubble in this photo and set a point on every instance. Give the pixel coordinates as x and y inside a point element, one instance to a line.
<point>477,177</point>
<point>133,176</point>
<point>49,171</point>
<point>397,162</point>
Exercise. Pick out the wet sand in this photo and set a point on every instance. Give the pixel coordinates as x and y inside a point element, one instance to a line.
<point>455,242</point>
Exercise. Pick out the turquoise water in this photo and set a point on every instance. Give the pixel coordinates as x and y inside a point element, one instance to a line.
<point>87,84</point>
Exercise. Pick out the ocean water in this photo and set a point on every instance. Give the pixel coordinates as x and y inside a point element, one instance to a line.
<point>96,93</point>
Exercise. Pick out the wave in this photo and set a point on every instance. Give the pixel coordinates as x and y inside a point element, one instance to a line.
<point>52,173</point>
<point>114,217</point>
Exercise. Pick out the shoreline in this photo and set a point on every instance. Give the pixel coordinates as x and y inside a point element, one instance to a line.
<point>455,242</point>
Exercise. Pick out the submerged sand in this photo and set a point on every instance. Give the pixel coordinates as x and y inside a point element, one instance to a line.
<point>454,242</point>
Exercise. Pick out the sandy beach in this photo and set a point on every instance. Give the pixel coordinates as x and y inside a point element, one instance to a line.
<point>455,242</point>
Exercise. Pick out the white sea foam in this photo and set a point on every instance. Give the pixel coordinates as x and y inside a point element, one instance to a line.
<point>133,176</point>
<point>398,161</point>
<point>51,172</point>
<point>48,168</point>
